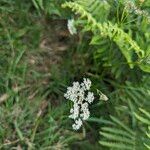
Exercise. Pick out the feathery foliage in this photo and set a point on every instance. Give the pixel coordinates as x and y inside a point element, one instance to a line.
<point>144,118</point>
<point>113,42</point>
<point>87,10</point>
<point>119,136</point>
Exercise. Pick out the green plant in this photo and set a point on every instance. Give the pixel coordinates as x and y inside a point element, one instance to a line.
<point>118,136</point>
<point>126,129</point>
<point>88,11</point>
<point>115,48</point>
<point>144,118</point>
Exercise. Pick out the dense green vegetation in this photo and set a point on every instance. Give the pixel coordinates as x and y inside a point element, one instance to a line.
<point>45,45</point>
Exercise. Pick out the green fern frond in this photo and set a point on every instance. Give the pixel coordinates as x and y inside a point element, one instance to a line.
<point>122,39</point>
<point>147,146</point>
<point>148,135</point>
<point>117,131</point>
<point>133,96</point>
<point>118,136</point>
<point>119,123</point>
<point>146,113</point>
<point>115,145</point>
<point>98,9</point>
<point>146,118</point>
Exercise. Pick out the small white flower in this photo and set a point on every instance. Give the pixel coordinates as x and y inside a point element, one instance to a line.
<point>72,92</point>
<point>86,113</point>
<point>86,85</point>
<point>78,123</point>
<point>74,111</point>
<point>81,98</point>
<point>90,97</point>
<point>71,26</point>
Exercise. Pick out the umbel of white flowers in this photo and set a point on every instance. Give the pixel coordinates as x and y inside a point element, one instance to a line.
<point>81,97</point>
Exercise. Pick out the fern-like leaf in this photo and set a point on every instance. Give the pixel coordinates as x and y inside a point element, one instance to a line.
<point>118,136</point>
<point>144,117</point>
<point>122,39</point>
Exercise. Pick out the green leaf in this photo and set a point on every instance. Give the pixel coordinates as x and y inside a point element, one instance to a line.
<point>142,119</point>
<point>122,125</point>
<point>120,146</point>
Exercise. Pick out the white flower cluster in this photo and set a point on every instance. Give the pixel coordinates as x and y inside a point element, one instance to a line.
<point>81,97</point>
<point>71,27</point>
<point>131,7</point>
